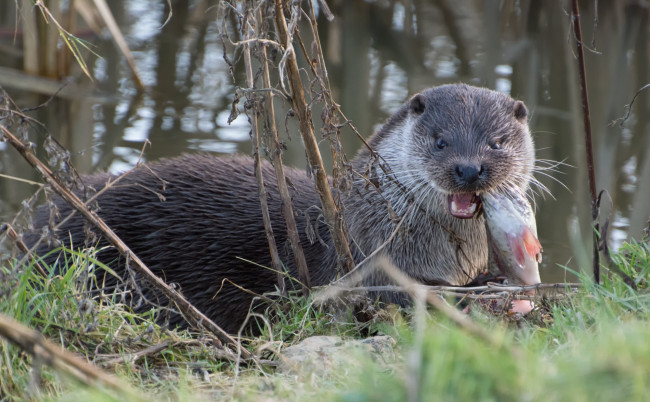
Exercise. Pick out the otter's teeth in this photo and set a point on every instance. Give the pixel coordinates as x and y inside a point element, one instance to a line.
<point>469,210</point>
<point>463,206</point>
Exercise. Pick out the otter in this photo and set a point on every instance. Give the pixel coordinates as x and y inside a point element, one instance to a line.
<point>195,220</point>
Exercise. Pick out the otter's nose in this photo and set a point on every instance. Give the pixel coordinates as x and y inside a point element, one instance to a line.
<point>468,174</point>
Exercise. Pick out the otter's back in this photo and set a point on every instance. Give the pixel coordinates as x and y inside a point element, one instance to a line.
<point>193,220</point>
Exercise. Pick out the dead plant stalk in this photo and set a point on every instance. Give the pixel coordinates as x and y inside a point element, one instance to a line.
<point>276,158</point>
<point>575,18</point>
<point>330,209</point>
<point>261,189</point>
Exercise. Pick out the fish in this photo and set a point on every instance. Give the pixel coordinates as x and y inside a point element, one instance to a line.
<point>513,245</point>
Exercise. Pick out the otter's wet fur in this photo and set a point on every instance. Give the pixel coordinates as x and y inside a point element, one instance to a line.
<point>453,139</point>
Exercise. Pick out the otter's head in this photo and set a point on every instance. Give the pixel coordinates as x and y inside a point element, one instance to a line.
<point>467,140</point>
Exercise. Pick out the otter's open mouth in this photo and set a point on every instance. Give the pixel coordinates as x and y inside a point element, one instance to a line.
<point>464,205</point>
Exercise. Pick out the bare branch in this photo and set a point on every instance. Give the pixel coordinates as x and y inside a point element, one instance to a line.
<point>623,119</point>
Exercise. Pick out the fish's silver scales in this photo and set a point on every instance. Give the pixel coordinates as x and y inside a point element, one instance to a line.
<point>508,215</point>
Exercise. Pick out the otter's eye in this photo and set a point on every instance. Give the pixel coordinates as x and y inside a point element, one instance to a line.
<point>495,144</point>
<point>440,143</point>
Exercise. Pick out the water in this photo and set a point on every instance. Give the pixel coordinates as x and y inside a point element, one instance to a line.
<point>377,54</point>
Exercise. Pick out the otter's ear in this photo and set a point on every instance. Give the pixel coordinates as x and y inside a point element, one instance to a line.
<point>418,104</point>
<point>520,111</point>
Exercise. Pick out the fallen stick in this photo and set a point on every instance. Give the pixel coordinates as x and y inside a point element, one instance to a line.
<point>60,359</point>
<point>487,289</point>
<point>452,313</point>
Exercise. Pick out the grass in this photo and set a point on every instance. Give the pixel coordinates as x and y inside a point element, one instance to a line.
<point>591,346</point>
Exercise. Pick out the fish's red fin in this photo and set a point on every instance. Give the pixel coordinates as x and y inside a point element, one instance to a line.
<point>533,247</point>
<point>518,249</point>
